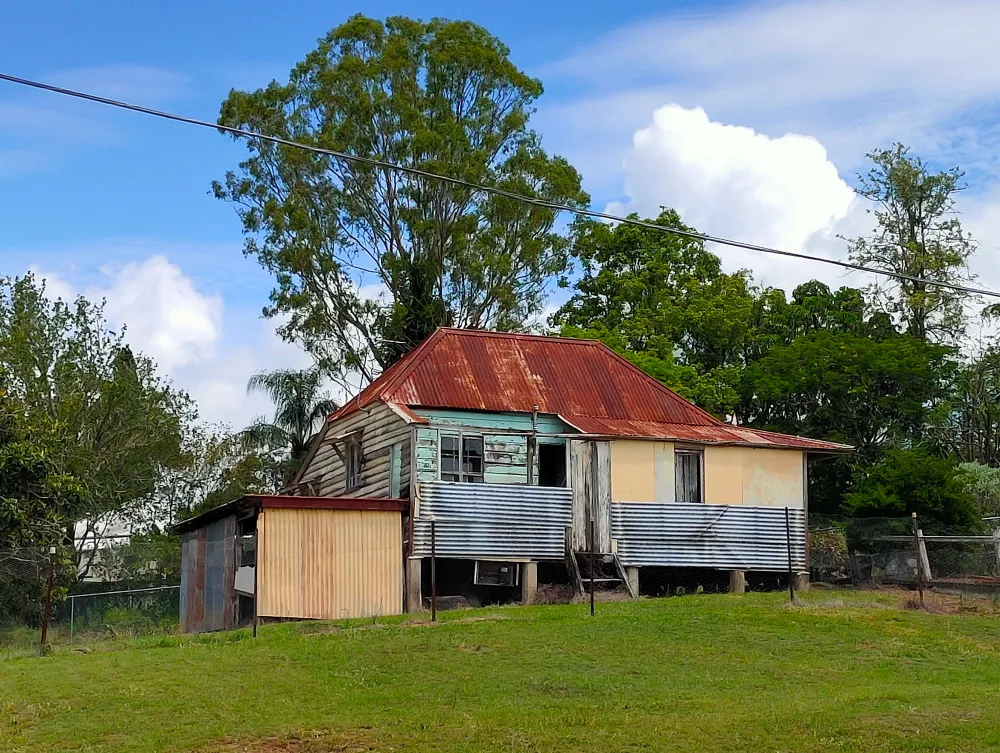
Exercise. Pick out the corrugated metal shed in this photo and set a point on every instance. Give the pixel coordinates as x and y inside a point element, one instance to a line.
<point>330,563</point>
<point>582,381</point>
<point>315,557</point>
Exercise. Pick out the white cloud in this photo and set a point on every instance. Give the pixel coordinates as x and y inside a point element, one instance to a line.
<point>204,347</point>
<point>733,182</point>
<point>811,51</point>
<point>852,73</point>
<point>165,316</point>
<point>218,383</point>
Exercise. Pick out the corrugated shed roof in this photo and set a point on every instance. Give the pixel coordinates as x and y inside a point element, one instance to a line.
<point>590,386</point>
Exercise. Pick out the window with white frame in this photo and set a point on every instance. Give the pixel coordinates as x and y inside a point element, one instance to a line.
<point>688,476</point>
<point>462,458</point>
<point>352,464</point>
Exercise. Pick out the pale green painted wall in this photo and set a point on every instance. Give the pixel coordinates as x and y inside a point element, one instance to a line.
<point>506,456</point>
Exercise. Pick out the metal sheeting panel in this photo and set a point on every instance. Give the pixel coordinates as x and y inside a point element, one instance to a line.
<point>582,381</point>
<point>330,564</point>
<point>208,572</point>
<point>493,521</point>
<point>715,536</point>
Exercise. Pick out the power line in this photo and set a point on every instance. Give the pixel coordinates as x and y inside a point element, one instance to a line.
<point>487,189</point>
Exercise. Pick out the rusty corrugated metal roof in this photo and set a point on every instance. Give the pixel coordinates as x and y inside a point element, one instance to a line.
<point>586,383</point>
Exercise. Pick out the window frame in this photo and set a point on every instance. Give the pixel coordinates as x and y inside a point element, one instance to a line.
<point>354,461</point>
<point>700,455</point>
<point>460,475</point>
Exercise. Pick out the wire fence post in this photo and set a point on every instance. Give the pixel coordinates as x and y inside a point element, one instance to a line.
<point>434,582</point>
<point>72,619</point>
<point>591,543</point>
<point>47,612</point>
<point>919,572</point>
<point>788,543</point>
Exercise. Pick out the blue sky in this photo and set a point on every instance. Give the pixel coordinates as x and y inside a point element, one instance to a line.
<point>751,118</point>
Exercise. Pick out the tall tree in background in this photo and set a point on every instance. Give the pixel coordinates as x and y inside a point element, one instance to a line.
<point>300,407</point>
<point>663,301</point>
<point>970,427</point>
<point>35,500</point>
<point>443,97</point>
<point>101,413</point>
<point>918,235</point>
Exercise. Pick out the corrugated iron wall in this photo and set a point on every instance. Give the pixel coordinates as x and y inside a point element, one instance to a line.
<point>329,564</point>
<point>208,575</point>
<point>715,536</point>
<point>493,521</point>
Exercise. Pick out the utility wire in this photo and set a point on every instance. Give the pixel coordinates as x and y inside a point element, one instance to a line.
<point>486,189</point>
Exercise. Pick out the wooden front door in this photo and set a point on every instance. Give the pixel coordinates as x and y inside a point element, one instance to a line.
<point>590,477</point>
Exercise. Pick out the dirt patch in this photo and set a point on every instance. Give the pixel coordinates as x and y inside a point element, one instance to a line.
<point>554,594</point>
<point>938,603</point>
<point>458,621</point>
<point>345,741</point>
<point>932,604</point>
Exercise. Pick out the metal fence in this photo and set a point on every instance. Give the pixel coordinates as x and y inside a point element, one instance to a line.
<point>51,595</point>
<point>899,552</point>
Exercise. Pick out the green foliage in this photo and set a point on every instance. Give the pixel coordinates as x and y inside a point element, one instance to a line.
<point>35,500</point>
<point>143,560</point>
<point>663,302</point>
<point>970,426</point>
<point>300,408</point>
<point>918,235</point>
<point>218,468</point>
<point>983,483</point>
<point>101,414</point>
<point>868,392</point>
<point>440,96</point>
<point>908,481</point>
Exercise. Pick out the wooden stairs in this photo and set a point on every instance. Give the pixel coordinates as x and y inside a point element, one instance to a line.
<point>608,572</point>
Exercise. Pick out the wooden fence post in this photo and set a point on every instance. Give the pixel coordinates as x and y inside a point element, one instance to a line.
<point>47,611</point>
<point>916,554</point>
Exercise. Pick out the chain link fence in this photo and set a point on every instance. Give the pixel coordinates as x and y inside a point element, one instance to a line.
<point>118,588</point>
<point>875,552</point>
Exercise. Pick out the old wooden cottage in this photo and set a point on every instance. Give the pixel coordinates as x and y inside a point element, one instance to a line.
<point>531,458</point>
<point>527,452</point>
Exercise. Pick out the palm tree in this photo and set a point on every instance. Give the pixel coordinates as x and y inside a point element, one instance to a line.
<point>300,407</point>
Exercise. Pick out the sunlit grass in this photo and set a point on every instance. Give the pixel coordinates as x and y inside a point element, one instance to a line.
<point>844,671</point>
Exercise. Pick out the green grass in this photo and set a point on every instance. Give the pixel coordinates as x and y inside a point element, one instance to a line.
<point>697,673</point>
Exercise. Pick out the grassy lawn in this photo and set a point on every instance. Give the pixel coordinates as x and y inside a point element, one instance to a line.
<point>698,673</point>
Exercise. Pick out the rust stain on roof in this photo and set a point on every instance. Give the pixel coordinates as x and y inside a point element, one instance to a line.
<point>583,381</point>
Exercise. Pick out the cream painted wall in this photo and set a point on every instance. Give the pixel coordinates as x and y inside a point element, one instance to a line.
<point>754,476</point>
<point>724,475</point>
<point>664,473</point>
<point>772,478</point>
<point>642,471</point>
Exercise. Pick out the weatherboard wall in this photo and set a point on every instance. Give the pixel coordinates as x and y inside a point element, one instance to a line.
<point>506,455</point>
<point>379,429</point>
